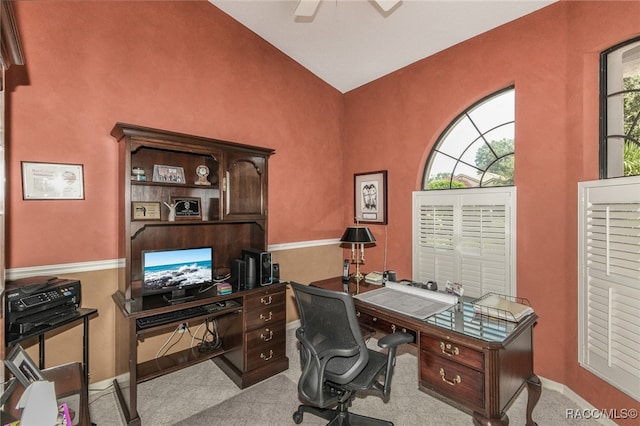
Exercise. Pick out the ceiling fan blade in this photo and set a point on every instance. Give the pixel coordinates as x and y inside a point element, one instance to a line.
<point>306,7</point>
<point>387,5</point>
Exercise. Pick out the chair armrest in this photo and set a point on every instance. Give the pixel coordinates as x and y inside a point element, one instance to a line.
<point>395,339</point>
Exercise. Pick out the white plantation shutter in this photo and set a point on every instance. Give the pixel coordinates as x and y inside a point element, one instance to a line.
<point>466,236</point>
<point>609,281</point>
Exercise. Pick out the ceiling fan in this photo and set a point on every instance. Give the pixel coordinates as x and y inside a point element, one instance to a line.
<point>308,7</point>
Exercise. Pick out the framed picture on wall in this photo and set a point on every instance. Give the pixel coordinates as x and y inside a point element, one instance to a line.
<point>370,197</point>
<point>52,181</point>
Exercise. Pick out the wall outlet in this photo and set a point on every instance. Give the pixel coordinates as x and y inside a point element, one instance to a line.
<point>182,327</point>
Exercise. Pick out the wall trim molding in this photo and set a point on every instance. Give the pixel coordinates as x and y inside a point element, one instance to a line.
<point>99,265</point>
<point>303,244</point>
<point>64,268</point>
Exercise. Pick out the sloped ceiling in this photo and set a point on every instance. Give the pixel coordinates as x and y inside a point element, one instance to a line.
<point>348,43</point>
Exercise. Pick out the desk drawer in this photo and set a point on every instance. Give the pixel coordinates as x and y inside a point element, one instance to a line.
<point>456,381</point>
<point>264,354</point>
<point>265,336</point>
<point>269,297</point>
<point>383,325</point>
<point>265,317</point>
<point>453,351</point>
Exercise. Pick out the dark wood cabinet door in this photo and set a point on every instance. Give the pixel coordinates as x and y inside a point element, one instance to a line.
<point>245,186</point>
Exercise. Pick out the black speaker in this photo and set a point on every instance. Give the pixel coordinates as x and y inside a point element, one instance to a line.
<point>276,272</point>
<point>250,264</point>
<point>238,275</point>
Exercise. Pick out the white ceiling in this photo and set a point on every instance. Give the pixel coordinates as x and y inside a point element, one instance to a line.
<point>348,43</point>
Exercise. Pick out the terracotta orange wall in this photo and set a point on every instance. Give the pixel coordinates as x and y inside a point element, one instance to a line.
<point>552,58</point>
<point>181,66</point>
<point>185,66</point>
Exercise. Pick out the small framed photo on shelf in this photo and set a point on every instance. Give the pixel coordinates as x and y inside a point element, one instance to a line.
<point>370,193</point>
<point>23,367</point>
<point>168,174</point>
<point>142,210</point>
<point>187,208</point>
<point>52,181</point>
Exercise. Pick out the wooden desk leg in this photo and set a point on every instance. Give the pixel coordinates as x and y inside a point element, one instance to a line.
<point>480,420</point>
<point>534,390</point>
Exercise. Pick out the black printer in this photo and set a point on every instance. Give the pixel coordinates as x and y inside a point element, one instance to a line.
<point>39,302</point>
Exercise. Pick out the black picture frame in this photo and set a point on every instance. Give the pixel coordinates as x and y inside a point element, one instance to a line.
<point>370,197</point>
<point>187,208</point>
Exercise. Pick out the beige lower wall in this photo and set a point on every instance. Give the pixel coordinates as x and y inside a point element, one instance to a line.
<point>303,265</point>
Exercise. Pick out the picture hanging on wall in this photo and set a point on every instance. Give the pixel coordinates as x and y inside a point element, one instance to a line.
<point>370,193</point>
<point>51,181</point>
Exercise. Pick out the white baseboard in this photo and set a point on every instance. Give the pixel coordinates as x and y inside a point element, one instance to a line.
<point>580,402</point>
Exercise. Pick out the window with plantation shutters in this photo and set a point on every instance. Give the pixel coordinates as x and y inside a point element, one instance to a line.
<point>609,281</point>
<point>467,237</point>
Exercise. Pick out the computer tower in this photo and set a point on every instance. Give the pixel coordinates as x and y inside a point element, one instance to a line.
<point>259,267</point>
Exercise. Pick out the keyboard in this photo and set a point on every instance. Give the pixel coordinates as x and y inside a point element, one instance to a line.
<point>185,314</point>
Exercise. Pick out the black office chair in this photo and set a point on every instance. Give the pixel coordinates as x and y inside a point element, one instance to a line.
<point>336,362</point>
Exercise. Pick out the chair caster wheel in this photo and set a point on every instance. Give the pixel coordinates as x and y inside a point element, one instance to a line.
<point>297,417</point>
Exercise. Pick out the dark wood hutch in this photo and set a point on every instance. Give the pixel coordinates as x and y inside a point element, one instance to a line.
<point>233,216</point>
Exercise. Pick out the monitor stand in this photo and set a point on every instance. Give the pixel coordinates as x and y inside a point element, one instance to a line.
<point>177,296</point>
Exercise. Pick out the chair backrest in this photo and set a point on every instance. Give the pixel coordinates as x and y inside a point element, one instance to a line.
<point>329,325</point>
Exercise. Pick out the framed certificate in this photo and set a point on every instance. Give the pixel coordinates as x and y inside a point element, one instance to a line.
<point>52,181</point>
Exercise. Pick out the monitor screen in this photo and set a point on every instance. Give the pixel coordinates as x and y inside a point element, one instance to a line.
<point>172,270</point>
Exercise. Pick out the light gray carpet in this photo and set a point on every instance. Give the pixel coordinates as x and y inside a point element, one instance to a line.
<point>203,395</point>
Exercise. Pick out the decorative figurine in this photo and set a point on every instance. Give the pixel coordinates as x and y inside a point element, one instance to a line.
<point>172,211</point>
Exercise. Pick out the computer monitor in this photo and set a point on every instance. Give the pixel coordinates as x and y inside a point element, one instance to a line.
<point>174,271</point>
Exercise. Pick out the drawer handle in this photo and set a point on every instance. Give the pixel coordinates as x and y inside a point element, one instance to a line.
<point>265,337</point>
<point>266,301</point>
<point>267,357</point>
<point>265,318</point>
<point>453,382</point>
<point>393,328</point>
<point>358,314</point>
<point>449,350</point>
<point>374,319</point>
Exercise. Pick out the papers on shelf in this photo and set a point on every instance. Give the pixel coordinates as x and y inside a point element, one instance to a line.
<point>407,300</point>
<point>498,306</point>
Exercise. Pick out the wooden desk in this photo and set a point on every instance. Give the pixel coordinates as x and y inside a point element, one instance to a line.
<point>68,380</point>
<point>253,340</point>
<point>475,363</point>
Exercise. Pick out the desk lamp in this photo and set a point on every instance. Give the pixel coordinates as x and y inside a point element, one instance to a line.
<point>358,236</point>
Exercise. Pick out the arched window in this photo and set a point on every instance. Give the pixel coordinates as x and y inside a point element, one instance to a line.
<point>620,105</point>
<point>477,148</point>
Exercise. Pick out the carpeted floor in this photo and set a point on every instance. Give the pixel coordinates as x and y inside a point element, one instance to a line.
<point>203,395</point>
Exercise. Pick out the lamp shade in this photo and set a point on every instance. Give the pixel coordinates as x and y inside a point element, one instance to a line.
<point>357,234</point>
